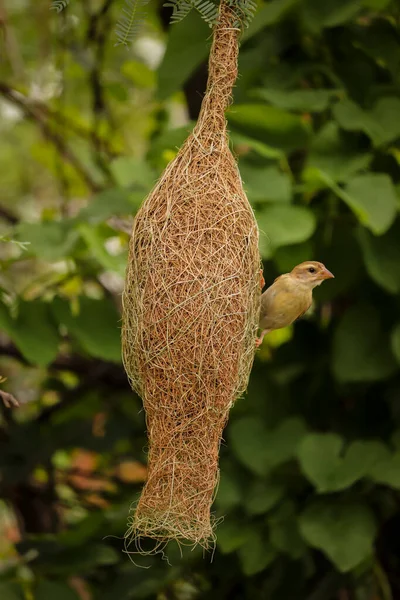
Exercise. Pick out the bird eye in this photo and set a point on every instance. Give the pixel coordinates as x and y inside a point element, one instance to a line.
<point>311,270</point>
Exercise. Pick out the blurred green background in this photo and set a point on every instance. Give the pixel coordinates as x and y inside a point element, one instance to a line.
<point>310,464</point>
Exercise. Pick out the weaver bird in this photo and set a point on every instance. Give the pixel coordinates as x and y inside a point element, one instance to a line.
<point>290,296</point>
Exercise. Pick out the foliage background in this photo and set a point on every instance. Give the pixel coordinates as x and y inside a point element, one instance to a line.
<point>311,460</point>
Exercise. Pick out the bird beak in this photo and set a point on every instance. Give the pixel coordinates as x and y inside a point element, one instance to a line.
<point>326,274</point>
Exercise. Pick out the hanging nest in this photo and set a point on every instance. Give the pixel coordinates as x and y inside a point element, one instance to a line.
<point>190,313</point>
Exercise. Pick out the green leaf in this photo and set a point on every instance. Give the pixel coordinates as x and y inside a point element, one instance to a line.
<point>283,75</point>
<point>33,331</point>
<point>322,461</point>
<point>169,141</point>
<point>139,73</point>
<point>396,342</point>
<point>381,124</point>
<point>229,493</point>
<point>109,203</point>
<point>360,348</point>
<point>362,193</point>
<point>84,531</point>
<point>281,443</point>
<point>333,156</point>
<point>262,495</point>
<point>95,241</point>
<point>387,470</point>
<point>134,585</point>
<point>344,532</point>
<point>129,171</point>
<point>77,560</point>
<point>287,257</point>
<point>282,225</point>
<point>379,42</point>
<point>270,125</point>
<point>232,535</point>
<point>284,530</point>
<point>256,554</point>
<point>49,240</point>
<point>271,13</point>
<point>330,13</point>
<point>49,590</point>
<point>6,320</point>
<point>247,438</point>
<point>118,91</point>
<point>101,554</point>
<point>261,449</point>
<point>96,327</point>
<point>309,100</point>
<point>187,48</point>
<point>238,139</point>
<point>376,4</point>
<point>10,590</point>
<point>265,184</point>
<point>382,257</point>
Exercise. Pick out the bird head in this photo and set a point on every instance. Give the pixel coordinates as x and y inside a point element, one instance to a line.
<point>311,273</point>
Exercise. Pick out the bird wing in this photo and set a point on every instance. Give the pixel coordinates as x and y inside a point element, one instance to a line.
<point>304,312</point>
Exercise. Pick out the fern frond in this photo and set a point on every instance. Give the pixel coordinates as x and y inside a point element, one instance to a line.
<point>208,10</point>
<point>131,20</point>
<point>181,8</point>
<point>59,5</point>
<point>245,10</point>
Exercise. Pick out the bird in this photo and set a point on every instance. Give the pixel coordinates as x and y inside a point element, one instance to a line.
<point>290,296</point>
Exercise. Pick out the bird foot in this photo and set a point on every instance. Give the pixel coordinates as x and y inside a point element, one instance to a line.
<point>262,280</point>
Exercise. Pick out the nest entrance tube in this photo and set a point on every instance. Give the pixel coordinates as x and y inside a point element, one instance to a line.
<point>190,313</point>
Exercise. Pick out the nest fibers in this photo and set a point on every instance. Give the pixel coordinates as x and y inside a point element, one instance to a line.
<point>190,313</point>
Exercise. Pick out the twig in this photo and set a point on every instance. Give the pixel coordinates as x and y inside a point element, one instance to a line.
<point>8,399</point>
<point>10,42</point>
<point>75,128</point>
<point>6,215</point>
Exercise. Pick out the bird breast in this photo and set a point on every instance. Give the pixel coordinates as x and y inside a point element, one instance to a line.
<point>282,304</point>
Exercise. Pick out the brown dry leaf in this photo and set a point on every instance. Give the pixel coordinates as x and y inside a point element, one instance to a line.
<point>84,460</point>
<point>98,501</point>
<point>99,422</point>
<point>242,149</point>
<point>81,588</point>
<point>131,471</point>
<point>82,482</point>
<point>12,534</point>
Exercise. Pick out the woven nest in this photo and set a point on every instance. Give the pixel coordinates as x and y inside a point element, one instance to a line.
<point>190,313</point>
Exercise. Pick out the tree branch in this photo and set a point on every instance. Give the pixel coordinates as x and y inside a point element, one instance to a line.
<point>72,362</point>
<point>33,114</point>
<point>6,215</point>
<point>12,51</point>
